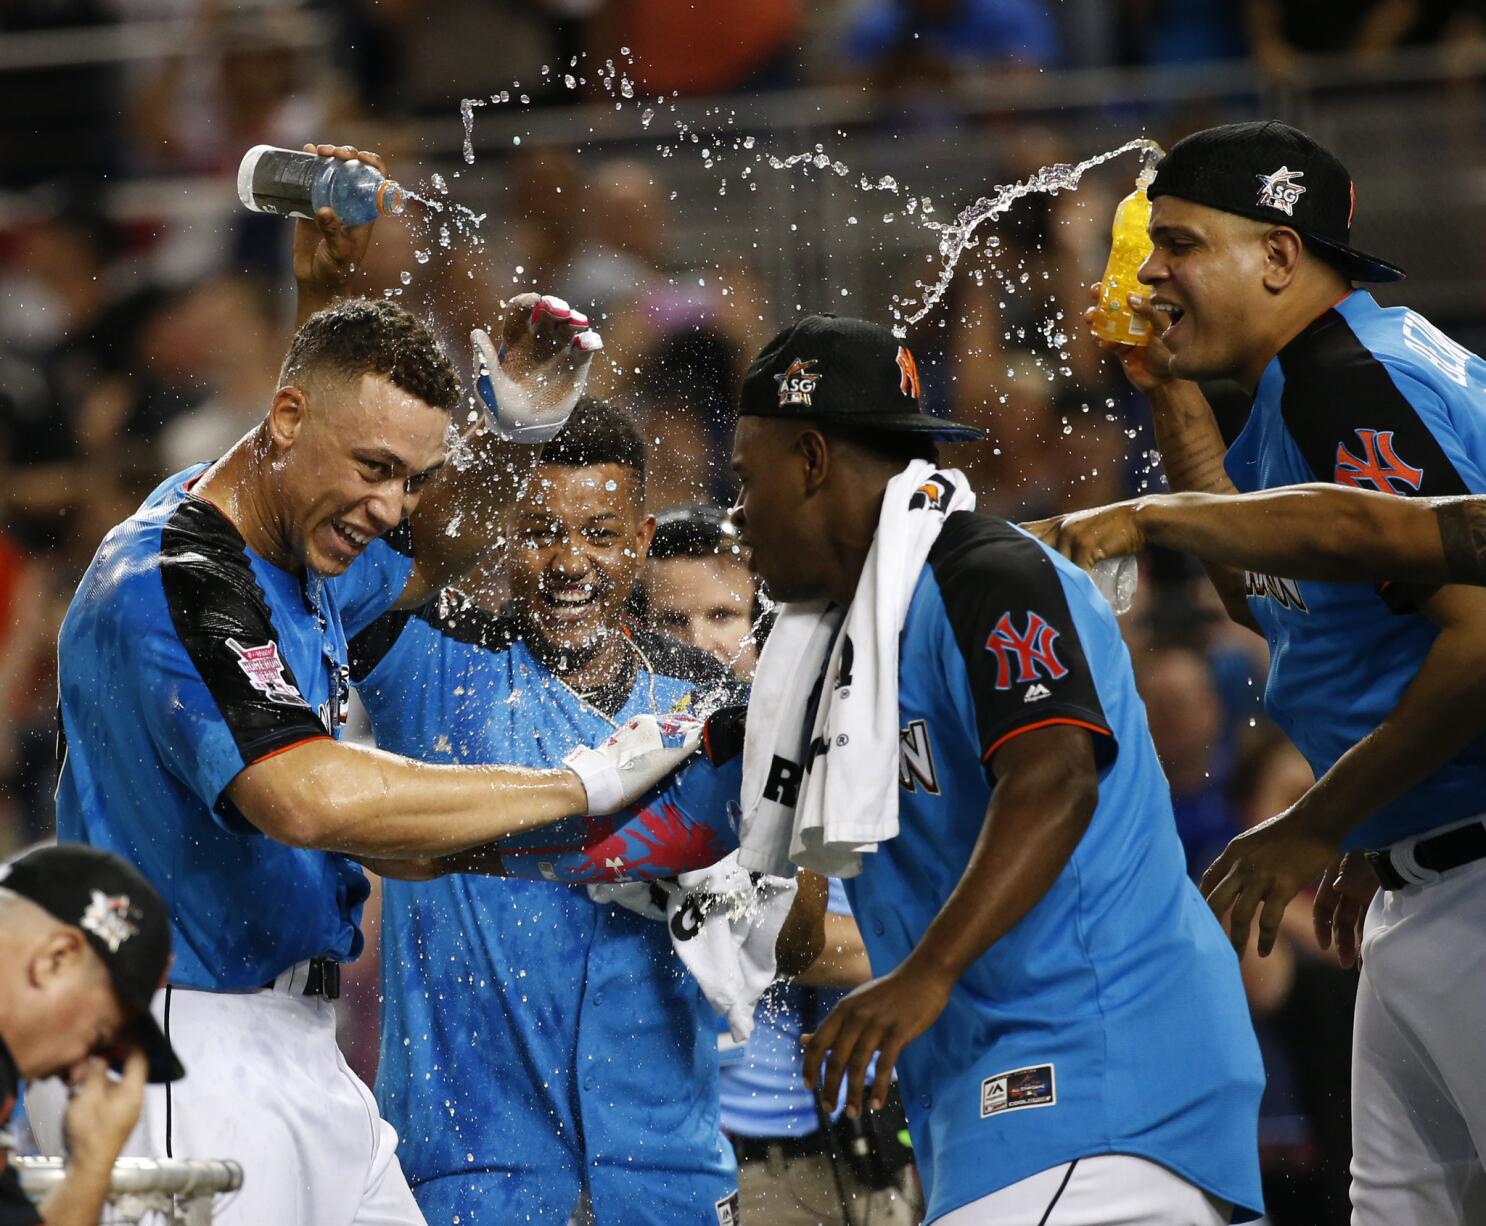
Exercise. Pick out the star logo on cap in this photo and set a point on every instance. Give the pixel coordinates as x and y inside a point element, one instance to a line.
<point>110,918</point>
<point>797,383</point>
<point>1281,191</point>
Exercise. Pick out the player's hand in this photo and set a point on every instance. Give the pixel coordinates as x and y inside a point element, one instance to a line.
<point>1086,537</point>
<point>1147,366</point>
<point>102,1112</point>
<point>1259,873</point>
<point>632,761</point>
<point>531,380</point>
<point>326,253</point>
<point>879,1018</point>
<point>1347,888</point>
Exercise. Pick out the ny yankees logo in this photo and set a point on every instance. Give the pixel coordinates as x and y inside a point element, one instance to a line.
<point>1031,649</point>
<point>1281,191</point>
<point>907,373</point>
<point>1379,467</point>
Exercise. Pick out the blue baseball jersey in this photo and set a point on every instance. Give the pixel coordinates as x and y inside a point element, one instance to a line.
<point>532,1040</point>
<point>1110,1018</point>
<point>1376,399</point>
<point>184,658</point>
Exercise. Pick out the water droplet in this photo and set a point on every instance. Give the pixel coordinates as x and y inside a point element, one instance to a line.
<point>405,277</point>
<point>515,140</point>
<point>626,87</point>
<point>438,183</point>
<point>421,256</point>
<point>611,485</point>
<point>569,80</point>
<point>851,221</point>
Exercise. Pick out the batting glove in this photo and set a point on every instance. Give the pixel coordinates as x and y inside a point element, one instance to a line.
<point>529,383</point>
<point>632,761</point>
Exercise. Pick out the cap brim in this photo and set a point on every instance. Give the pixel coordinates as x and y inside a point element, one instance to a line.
<point>1358,265</point>
<point>940,428</point>
<point>165,1065</point>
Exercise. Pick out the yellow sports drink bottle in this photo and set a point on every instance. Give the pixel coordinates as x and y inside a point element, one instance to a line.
<point>1114,321</point>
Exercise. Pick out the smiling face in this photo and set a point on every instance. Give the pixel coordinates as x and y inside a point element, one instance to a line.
<point>1207,274</point>
<point>353,457</point>
<point>579,537</point>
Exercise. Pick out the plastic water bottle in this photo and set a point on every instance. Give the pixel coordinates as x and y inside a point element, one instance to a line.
<point>293,183</point>
<point>1131,245</point>
<point>1116,580</point>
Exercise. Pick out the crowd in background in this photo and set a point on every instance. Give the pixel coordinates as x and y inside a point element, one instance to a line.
<point>114,374</point>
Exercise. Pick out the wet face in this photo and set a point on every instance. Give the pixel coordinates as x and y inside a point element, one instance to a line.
<point>771,510</point>
<point>1207,276</point>
<point>72,999</point>
<point>353,458</point>
<point>707,602</point>
<point>579,537</point>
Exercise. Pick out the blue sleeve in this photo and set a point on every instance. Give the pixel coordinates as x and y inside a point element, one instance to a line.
<point>213,691</point>
<point>373,582</point>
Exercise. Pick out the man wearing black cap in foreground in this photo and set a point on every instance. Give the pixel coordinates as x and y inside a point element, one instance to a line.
<point>1383,689</point>
<point>944,715</point>
<point>84,943</point>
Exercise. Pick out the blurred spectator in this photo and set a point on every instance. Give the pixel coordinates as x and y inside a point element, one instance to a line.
<point>60,118</point>
<point>698,588</point>
<point>1160,32</point>
<point>897,41</point>
<point>1302,1003</point>
<point>1281,31</point>
<point>700,49</point>
<point>232,325</point>
<point>1186,721</point>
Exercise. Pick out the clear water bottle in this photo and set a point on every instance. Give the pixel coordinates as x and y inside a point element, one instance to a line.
<point>293,183</point>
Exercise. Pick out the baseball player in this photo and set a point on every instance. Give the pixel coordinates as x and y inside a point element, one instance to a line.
<point>84,942</point>
<point>538,1047</point>
<point>203,686</point>
<point>1252,278</point>
<point>1031,919</point>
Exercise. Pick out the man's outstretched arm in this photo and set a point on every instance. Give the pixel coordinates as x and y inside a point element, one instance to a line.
<point>1321,532</point>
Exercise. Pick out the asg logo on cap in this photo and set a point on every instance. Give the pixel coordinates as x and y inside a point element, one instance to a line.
<point>1281,191</point>
<point>797,384</point>
<point>110,918</point>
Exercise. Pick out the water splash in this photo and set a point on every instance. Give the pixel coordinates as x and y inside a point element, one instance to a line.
<point>957,236</point>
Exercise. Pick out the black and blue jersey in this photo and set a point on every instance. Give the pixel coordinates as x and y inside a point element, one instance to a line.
<point>1377,399</point>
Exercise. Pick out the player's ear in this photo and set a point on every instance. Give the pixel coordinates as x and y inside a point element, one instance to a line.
<point>643,537</point>
<point>57,957</point>
<point>286,416</point>
<point>816,453</point>
<point>1282,254</point>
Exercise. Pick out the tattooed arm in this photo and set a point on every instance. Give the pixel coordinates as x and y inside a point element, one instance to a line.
<point>1320,532</point>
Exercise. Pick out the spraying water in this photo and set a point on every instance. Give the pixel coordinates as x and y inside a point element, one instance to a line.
<point>957,236</point>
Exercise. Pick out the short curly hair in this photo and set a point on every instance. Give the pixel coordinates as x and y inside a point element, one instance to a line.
<point>365,336</point>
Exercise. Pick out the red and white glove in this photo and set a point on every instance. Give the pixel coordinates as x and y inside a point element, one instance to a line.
<point>530,382</point>
<point>632,761</point>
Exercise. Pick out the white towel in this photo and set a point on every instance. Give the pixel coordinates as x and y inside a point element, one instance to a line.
<point>821,794</point>
<point>723,925</point>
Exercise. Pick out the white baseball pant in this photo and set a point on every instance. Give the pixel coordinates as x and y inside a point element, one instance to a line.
<point>1104,1190</point>
<point>1419,1047</point>
<point>267,1087</point>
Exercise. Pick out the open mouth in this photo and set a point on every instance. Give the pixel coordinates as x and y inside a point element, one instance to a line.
<point>1172,313</point>
<point>569,603</point>
<point>352,540</point>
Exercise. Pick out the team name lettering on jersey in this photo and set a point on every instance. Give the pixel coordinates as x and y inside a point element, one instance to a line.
<point>916,759</point>
<point>1284,592</point>
<point>265,672</point>
<point>1031,649</point>
<point>1378,466</point>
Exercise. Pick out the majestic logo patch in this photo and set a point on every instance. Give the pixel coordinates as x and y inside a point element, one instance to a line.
<point>1019,1089</point>
<point>1378,466</point>
<point>916,759</point>
<point>907,373</point>
<point>727,1210</point>
<point>933,495</point>
<point>112,918</point>
<point>797,384</point>
<point>1281,191</point>
<point>1031,650</point>
<point>1036,693</point>
<point>1284,592</point>
<point>265,672</point>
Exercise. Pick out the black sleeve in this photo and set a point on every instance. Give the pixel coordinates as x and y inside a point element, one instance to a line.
<point>1356,427</point>
<point>221,629</point>
<point>16,1208</point>
<point>1015,633</point>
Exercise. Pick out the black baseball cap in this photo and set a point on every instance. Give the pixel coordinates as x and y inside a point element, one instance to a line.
<point>1272,172</point>
<point>846,373</point>
<point>124,921</point>
<point>690,530</point>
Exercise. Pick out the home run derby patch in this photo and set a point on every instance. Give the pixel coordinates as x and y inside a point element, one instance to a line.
<point>1023,1087</point>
